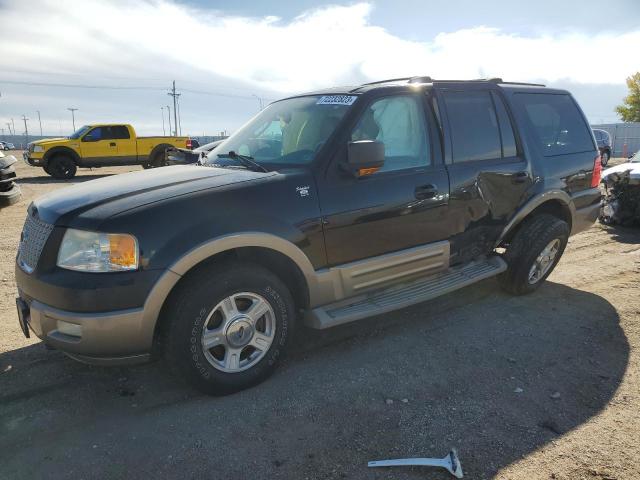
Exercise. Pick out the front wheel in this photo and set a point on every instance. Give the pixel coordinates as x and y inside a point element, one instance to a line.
<point>61,167</point>
<point>533,254</point>
<point>229,327</point>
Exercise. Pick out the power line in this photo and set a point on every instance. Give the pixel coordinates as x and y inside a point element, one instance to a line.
<point>128,87</point>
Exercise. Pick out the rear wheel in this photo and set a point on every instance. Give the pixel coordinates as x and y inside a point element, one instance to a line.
<point>604,158</point>
<point>534,253</point>
<point>61,167</point>
<point>229,327</point>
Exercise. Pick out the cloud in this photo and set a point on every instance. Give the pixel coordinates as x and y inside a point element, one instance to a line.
<point>150,42</point>
<point>320,47</point>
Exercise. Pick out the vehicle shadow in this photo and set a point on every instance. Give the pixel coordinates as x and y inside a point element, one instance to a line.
<point>623,234</point>
<point>496,376</point>
<point>47,179</point>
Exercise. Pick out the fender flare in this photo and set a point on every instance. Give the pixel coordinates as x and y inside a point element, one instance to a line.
<point>557,195</point>
<point>163,287</point>
<point>64,150</point>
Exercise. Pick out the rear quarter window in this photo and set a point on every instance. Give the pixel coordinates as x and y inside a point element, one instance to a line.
<point>558,126</point>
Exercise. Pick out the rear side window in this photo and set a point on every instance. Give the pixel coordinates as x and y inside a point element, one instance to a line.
<point>474,126</point>
<point>557,123</point>
<point>119,131</point>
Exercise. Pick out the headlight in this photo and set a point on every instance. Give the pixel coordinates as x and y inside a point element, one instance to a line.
<point>38,148</point>
<point>98,252</point>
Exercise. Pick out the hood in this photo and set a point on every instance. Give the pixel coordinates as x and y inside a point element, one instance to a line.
<point>45,142</point>
<point>99,199</point>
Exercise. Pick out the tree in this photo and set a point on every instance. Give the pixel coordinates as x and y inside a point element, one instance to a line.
<point>629,111</point>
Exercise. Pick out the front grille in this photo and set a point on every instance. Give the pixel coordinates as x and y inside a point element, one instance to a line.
<point>34,235</point>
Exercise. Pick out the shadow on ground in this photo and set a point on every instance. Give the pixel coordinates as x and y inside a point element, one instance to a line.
<point>623,234</point>
<point>476,369</point>
<point>48,179</point>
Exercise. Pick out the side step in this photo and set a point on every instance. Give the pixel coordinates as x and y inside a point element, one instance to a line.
<point>401,296</point>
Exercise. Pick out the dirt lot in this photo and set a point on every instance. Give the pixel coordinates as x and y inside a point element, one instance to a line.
<point>542,386</point>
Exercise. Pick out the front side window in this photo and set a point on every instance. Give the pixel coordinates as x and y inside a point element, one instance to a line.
<point>474,126</point>
<point>558,126</point>
<point>94,135</point>
<point>399,123</point>
<point>290,131</point>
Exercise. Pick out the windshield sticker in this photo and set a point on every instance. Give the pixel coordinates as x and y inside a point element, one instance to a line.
<point>336,100</point>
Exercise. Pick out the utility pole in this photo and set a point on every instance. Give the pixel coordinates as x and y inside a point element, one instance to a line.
<point>9,127</point>
<point>169,115</point>
<point>14,126</point>
<point>179,118</point>
<point>260,102</point>
<point>26,130</point>
<point>73,117</point>
<point>175,95</point>
<point>164,132</point>
<point>40,122</point>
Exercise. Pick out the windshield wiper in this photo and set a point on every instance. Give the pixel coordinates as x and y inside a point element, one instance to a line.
<point>244,160</point>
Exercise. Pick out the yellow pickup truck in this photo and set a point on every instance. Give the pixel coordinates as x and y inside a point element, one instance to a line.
<point>99,145</point>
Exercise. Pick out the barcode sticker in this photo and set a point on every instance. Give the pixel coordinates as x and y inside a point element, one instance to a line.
<point>336,100</point>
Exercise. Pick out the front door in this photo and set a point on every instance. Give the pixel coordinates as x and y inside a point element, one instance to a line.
<point>404,204</point>
<point>97,148</point>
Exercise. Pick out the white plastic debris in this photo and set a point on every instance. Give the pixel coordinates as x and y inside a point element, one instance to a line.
<point>451,463</point>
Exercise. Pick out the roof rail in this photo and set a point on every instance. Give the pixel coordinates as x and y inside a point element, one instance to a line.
<point>427,79</point>
<point>387,81</point>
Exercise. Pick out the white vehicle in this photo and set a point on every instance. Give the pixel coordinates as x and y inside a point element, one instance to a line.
<point>632,166</point>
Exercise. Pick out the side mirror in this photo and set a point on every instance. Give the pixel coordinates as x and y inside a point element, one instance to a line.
<point>365,157</point>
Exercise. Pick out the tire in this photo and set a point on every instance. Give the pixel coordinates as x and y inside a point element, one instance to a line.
<point>604,158</point>
<point>61,167</point>
<point>541,232</point>
<point>11,196</point>
<point>204,304</point>
<point>157,158</point>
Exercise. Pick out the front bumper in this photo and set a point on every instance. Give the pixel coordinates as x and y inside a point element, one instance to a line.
<point>110,334</point>
<point>31,161</point>
<point>116,337</point>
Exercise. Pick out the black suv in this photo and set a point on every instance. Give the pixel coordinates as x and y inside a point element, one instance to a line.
<point>603,139</point>
<point>325,208</point>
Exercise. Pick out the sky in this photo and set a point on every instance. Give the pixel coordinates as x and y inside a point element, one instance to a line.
<point>114,60</point>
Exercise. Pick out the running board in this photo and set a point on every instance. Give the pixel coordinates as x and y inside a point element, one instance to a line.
<point>400,296</point>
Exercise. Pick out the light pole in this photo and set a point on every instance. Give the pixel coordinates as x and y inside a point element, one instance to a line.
<point>73,117</point>
<point>164,132</point>
<point>40,122</point>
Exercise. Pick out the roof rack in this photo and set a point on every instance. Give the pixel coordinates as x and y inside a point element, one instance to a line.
<point>427,79</point>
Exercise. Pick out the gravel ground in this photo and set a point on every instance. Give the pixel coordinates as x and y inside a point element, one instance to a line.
<point>540,386</point>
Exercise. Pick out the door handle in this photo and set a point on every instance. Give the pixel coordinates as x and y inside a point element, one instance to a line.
<point>424,192</point>
<point>112,144</point>
<point>520,177</point>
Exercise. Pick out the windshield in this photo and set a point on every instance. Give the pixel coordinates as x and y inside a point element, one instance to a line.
<point>78,133</point>
<point>287,132</point>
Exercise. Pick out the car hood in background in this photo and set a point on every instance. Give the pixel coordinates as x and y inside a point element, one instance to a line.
<point>632,167</point>
<point>96,200</point>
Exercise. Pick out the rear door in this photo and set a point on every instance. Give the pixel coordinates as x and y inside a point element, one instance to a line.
<point>125,144</point>
<point>489,177</point>
<point>402,205</point>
